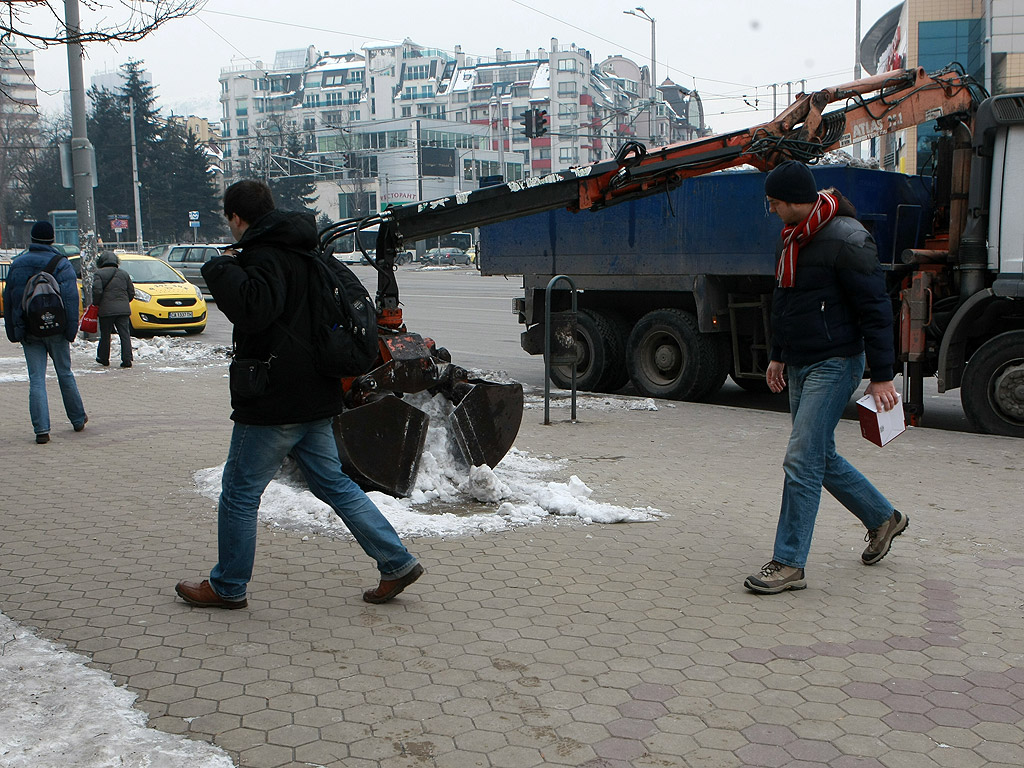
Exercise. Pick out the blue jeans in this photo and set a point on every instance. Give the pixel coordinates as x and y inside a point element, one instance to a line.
<point>818,395</point>
<point>254,457</point>
<point>36,350</point>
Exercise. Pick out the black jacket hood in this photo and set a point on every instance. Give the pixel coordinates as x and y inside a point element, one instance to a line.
<point>286,229</point>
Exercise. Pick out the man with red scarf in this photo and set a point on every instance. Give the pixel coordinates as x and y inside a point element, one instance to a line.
<point>831,317</point>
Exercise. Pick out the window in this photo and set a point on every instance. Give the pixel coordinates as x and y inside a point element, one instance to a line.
<point>567,111</point>
<point>568,155</point>
<point>354,116</point>
<point>242,128</point>
<point>352,204</point>
<point>567,65</point>
<point>567,88</point>
<point>406,111</point>
<point>242,107</point>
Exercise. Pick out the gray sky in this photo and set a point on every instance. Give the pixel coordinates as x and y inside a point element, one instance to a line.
<point>724,48</point>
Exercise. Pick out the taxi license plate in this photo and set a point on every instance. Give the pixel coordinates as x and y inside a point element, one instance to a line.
<point>178,315</point>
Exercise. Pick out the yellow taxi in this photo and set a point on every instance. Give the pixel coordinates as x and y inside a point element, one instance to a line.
<point>164,299</point>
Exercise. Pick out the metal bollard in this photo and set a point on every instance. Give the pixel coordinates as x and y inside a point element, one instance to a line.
<point>559,327</point>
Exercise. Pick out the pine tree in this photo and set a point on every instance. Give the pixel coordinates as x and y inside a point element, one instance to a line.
<point>295,189</point>
<point>173,169</point>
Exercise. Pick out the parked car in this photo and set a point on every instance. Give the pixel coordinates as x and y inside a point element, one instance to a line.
<point>189,260</point>
<point>160,251</point>
<point>447,256</point>
<point>164,299</point>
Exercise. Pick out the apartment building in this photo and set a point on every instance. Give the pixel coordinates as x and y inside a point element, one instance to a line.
<point>19,131</point>
<point>399,122</point>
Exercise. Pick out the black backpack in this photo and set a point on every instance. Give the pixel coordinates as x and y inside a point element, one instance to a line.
<point>344,320</point>
<point>42,304</point>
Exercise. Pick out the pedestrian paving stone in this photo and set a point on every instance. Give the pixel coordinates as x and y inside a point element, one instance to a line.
<point>562,644</point>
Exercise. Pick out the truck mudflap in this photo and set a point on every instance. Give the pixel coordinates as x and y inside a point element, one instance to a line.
<point>381,436</point>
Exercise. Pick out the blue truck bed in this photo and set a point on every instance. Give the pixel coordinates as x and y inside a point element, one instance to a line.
<point>716,224</point>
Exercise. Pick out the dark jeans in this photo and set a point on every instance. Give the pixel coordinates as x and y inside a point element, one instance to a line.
<point>255,455</point>
<point>109,324</point>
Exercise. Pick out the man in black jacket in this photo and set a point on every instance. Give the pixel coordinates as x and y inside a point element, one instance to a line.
<point>280,405</point>
<point>831,316</point>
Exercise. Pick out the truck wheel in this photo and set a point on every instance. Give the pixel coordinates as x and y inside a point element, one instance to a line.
<point>667,356</point>
<point>992,390</point>
<point>617,374</point>
<point>721,355</point>
<point>595,348</point>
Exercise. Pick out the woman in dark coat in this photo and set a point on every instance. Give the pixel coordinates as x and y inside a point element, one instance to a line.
<point>112,292</point>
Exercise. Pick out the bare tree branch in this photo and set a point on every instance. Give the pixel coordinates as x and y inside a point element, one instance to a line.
<point>132,20</point>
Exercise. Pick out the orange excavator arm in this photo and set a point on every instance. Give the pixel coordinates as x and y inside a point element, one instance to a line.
<point>486,418</point>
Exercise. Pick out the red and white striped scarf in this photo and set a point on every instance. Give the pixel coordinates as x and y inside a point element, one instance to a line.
<point>797,235</point>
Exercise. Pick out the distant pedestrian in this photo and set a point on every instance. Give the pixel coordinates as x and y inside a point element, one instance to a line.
<point>281,405</point>
<point>830,314</point>
<point>113,292</point>
<point>36,342</point>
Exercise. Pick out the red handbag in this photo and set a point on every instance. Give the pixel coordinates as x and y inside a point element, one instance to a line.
<point>90,320</point>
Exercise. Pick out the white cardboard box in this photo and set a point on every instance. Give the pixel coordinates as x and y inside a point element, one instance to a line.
<point>880,426</point>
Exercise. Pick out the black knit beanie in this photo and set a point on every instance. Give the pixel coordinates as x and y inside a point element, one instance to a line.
<point>791,182</point>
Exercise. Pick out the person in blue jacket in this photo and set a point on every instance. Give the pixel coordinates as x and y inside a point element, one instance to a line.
<point>28,263</point>
<point>831,317</point>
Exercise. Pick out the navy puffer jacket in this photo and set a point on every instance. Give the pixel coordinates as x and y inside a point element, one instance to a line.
<point>838,306</point>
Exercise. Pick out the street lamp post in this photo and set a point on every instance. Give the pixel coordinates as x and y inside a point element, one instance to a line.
<point>640,13</point>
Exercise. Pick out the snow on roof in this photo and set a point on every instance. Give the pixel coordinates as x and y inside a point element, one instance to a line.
<point>380,44</point>
<point>542,77</point>
<point>463,80</point>
<point>338,62</point>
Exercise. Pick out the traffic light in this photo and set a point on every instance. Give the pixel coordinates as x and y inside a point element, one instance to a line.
<point>540,123</point>
<point>528,123</point>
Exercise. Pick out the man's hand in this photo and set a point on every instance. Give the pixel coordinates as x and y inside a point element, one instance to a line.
<point>884,393</point>
<point>776,381</point>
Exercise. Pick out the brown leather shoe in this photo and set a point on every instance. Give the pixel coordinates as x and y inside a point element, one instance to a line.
<point>388,589</point>
<point>202,594</point>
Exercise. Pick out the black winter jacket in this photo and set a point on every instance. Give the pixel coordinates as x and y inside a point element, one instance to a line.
<point>838,306</point>
<point>112,291</point>
<point>263,292</point>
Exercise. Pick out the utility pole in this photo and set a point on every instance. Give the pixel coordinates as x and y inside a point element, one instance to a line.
<point>856,66</point>
<point>81,150</point>
<point>135,176</point>
<point>654,80</point>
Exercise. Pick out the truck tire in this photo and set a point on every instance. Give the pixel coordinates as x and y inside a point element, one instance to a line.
<point>597,345</point>
<point>721,355</point>
<point>992,390</point>
<point>668,357</point>
<point>617,375</point>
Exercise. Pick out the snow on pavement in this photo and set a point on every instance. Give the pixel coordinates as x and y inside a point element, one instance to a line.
<point>56,711</point>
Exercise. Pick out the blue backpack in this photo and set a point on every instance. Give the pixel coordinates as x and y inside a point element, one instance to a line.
<point>42,304</point>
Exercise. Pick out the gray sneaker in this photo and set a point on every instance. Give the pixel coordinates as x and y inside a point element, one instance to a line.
<point>880,539</point>
<point>775,577</point>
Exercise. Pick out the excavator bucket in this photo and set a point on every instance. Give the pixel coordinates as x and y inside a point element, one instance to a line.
<point>486,420</point>
<point>380,444</point>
